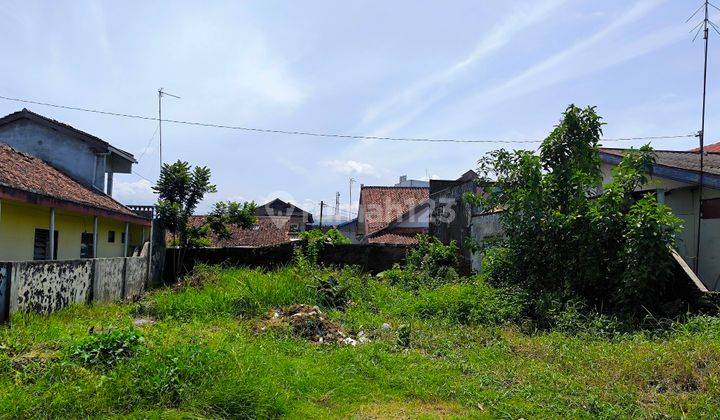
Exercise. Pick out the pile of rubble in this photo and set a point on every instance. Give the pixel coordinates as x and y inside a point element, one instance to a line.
<point>310,323</point>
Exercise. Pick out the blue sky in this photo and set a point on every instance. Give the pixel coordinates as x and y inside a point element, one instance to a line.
<point>450,69</point>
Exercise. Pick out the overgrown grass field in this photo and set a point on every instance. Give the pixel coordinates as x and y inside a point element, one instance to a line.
<point>469,353</point>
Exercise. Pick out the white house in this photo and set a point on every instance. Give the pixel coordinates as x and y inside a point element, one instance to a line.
<point>675,178</point>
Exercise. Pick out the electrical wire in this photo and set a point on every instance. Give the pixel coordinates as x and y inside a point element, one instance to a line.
<point>320,134</point>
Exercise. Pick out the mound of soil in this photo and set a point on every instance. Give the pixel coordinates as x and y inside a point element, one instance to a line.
<point>310,323</point>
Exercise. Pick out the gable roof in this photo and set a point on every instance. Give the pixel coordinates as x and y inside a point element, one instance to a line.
<point>683,166</point>
<point>93,142</point>
<point>278,207</point>
<point>381,206</point>
<point>26,178</point>
<point>269,230</point>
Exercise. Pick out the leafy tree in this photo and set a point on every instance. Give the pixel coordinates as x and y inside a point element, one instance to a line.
<point>568,236</point>
<point>228,213</point>
<point>180,189</point>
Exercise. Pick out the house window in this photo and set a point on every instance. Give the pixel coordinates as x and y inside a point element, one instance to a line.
<point>294,228</point>
<point>122,238</point>
<point>42,245</point>
<point>111,236</point>
<point>86,245</point>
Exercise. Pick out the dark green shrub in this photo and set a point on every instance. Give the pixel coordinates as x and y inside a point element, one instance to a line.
<point>431,264</point>
<point>331,293</point>
<point>106,349</point>
<point>561,237</point>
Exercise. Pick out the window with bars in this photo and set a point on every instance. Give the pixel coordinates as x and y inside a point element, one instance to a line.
<point>86,245</point>
<point>42,245</point>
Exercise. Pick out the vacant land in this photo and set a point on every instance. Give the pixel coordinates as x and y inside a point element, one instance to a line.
<point>210,348</point>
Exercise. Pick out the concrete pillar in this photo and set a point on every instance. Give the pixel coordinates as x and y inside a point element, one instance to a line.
<point>661,195</point>
<point>127,239</point>
<point>109,183</point>
<point>52,234</point>
<point>95,237</point>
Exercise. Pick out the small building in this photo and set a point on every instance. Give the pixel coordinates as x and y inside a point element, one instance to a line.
<point>83,157</point>
<point>452,215</point>
<point>349,230</point>
<point>675,178</point>
<point>299,219</point>
<point>45,215</point>
<point>392,215</point>
<point>405,182</point>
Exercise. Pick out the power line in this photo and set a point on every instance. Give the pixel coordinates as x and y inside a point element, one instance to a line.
<point>319,134</point>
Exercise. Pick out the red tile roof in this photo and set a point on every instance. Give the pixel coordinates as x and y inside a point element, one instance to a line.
<point>709,148</point>
<point>270,230</point>
<point>380,206</point>
<point>20,172</point>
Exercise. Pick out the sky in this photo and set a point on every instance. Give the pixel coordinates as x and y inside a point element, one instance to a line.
<point>441,69</point>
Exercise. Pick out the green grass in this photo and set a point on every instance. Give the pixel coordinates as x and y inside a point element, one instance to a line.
<point>468,358</point>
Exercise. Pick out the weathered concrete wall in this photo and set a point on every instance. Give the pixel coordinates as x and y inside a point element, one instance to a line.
<point>482,228</point>
<point>135,276</point>
<point>48,286</point>
<point>5,272</point>
<point>108,281</point>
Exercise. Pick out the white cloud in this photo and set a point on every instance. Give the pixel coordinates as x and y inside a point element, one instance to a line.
<point>405,106</point>
<point>135,192</point>
<point>351,167</point>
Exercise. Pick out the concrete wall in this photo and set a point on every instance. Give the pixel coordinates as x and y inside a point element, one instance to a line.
<point>4,291</point>
<point>18,222</point>
<point>482,228</point>
<point>372,258</point>
<point>68,154</point>
<point>47,286</point>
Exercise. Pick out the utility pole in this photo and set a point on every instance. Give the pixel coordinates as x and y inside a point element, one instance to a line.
<point>351,180</point>
<point>704,27</point>
<point>322,204</point>
<point>337,204</point>
<point>162,93</point>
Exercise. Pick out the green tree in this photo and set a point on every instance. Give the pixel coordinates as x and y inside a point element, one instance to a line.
<point>568,236</point>
<point>180,189</point>
<point>223,214</point>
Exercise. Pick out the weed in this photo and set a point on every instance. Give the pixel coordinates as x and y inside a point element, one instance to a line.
<point>105,349</point>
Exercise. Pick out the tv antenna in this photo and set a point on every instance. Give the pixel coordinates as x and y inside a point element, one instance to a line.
<point>704,27</point>
<point>161,93</point>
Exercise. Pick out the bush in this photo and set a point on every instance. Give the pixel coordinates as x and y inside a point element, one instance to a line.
<point>561,237</point>
<point>431,264</point>
<point>106,349</point>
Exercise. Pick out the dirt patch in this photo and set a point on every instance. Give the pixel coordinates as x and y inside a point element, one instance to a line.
<point>310,323</point>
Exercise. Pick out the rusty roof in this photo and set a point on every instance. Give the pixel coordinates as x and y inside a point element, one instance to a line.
<point>381,206</point>
<point>269,230</point>
<point>23,172</point>
<point>686,160</point>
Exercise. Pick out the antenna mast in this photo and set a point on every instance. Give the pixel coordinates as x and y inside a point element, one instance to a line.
<point>703,26</point>
<point>350,181</point>
<point>162,93</point>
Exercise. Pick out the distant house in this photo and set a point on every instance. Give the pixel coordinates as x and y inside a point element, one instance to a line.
<point>349,230</point>
<point>45,214</point>
<point>269,230</point>
<point>299,219</point>
<point>392,214</point>
<point>83,157</point>
<point>452,216</point>
<point>405,182</point>
<point>675,178</point>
